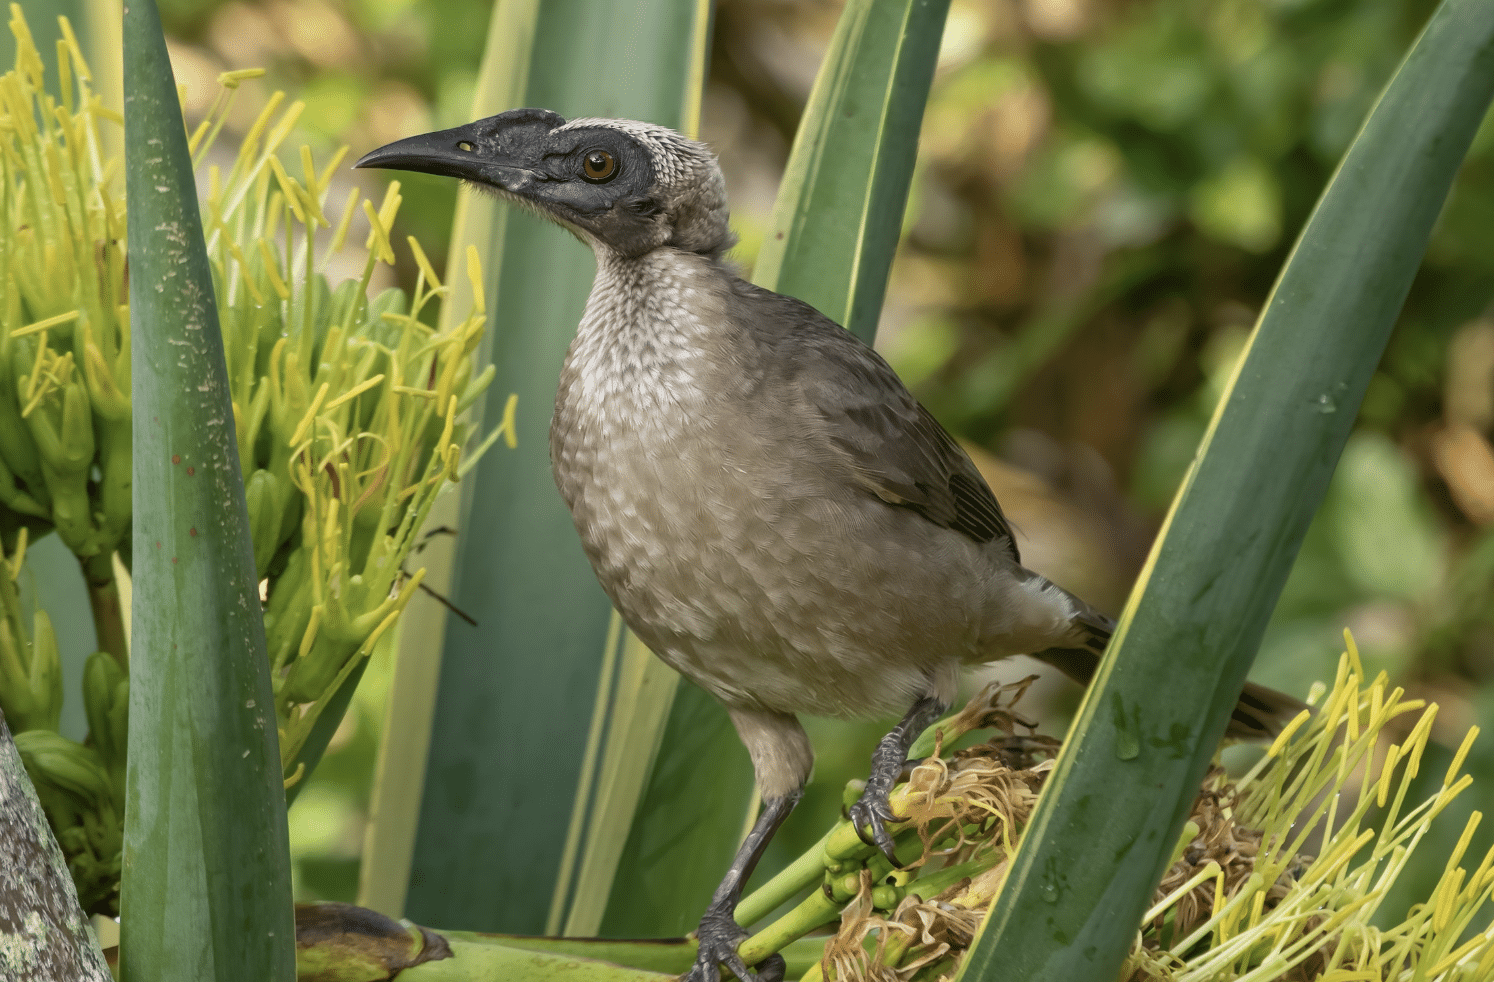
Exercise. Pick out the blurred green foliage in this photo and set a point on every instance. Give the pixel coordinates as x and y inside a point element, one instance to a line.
<point>1107,189</point>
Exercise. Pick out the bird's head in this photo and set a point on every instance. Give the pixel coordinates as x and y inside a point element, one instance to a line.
<point>621,185</point>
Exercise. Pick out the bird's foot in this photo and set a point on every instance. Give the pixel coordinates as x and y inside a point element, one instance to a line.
<point>719,935</point>
<point>870,816</point>
<point>872,812</point>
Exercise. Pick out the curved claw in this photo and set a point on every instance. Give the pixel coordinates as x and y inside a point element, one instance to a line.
<point>872,811</point>
<point>772,969</point>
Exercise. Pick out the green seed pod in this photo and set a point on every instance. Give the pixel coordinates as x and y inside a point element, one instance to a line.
<point>66,442</point>
<point>885,896</point>
<point>289,608</point>
<point>66,454</point>
<point>843,888</point>
<point>77,428</point>
<point>115,463</point>
<point>17,700</point>
<point>46,672</point>
<point>878,865</point>
<point>266,509</point>
<point>53,760</point>
<point>103,683</point>
<point>12,495</point>
<point>17,446</point>
<point>851,794</point>
<point>103,389</point>
<point>72,512</point>
<point>313,673</point>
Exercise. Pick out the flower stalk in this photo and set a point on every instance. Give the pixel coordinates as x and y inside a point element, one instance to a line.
<point>1241,900</point>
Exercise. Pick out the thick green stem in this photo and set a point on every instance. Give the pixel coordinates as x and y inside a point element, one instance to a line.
<point>794,877</point>
<point>815,910</point>
<point>108,614</point>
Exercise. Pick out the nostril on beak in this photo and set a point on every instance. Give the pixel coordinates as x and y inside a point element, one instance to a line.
<point>464,145</point>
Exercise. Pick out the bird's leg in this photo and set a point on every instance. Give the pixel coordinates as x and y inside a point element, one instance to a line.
<point>719,932</point>
<point>872,809</point>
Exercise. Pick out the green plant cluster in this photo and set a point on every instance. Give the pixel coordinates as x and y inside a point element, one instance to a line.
<point>64,355</point>
<point>81,787</point>
<point>346,411</point>
<point>1279,874</point>
<point>1242,898</point>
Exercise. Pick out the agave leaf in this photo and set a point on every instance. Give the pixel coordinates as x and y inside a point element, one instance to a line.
<point>542,737</point>
<point>839,212</point>
<point>1116,802</point>
<point>206,880</point>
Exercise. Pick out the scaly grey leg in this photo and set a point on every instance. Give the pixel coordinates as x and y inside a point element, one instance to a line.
<point>719,932</point>
<point>872,809</point>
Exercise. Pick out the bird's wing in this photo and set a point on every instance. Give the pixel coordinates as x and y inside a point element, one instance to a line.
<point>890,445</point>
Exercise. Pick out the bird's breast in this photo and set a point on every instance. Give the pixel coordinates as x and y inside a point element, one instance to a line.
<point>714,527</point>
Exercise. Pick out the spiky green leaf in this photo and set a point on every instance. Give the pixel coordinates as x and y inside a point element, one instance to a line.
<point>542,739</point>
<point>206,880</point>
<point>839,211</point>
<point>1146,731</point>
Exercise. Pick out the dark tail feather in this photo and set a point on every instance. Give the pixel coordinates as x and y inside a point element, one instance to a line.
<point>1259,715</point>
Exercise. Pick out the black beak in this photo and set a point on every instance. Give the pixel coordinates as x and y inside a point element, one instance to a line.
<point>450,153</point>
<point>497,151</point>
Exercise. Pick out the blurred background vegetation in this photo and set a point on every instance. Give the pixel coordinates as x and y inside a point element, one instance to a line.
<point>1106,191</point>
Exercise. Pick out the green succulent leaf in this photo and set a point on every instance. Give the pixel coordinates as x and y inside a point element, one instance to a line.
<point>1122,788</point>
<point>206,882</point>
<point>839,212</point>
<point>548,716</point>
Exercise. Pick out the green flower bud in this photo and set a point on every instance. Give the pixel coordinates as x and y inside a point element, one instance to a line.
<point>59,764</point>
<point>104,391</point>
<point>266,509</point>
<point>46,671</point>
<point>886,897</point>
<point>30,677</point>
<point>105,688</point>
<point>313,673</point>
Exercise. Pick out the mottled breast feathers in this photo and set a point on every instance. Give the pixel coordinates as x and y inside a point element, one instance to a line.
<point>889,444</point>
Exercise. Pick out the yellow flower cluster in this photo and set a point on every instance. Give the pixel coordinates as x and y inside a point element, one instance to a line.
<point>1242,900</point>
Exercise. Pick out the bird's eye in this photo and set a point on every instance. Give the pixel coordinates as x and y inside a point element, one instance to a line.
<point>599,166</point>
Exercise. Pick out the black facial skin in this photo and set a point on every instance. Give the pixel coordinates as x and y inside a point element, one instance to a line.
<point>520,156</point>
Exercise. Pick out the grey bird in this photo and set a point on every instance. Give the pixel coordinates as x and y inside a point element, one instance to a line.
<point>769,508</point>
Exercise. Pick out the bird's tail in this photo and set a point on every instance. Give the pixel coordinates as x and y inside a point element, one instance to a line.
<point>1260,713</point>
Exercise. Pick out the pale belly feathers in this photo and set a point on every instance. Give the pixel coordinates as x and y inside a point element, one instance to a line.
<point>727,551</point>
